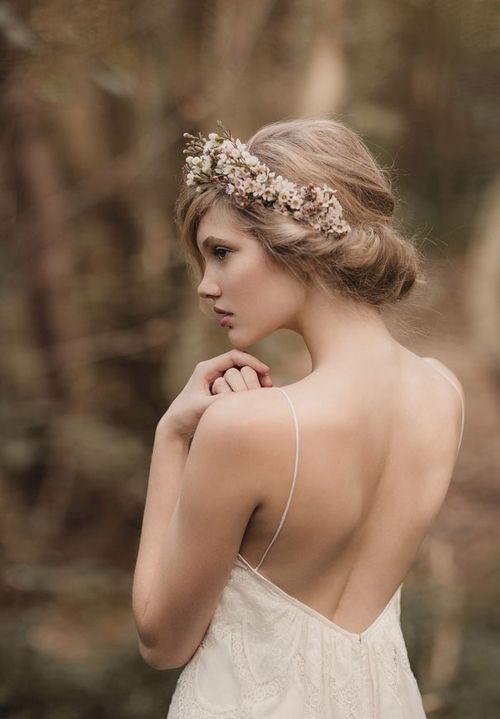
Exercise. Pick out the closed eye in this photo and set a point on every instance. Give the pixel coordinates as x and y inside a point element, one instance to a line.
<point>215,250</point>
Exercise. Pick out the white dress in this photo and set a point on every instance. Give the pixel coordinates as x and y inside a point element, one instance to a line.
<point>267,655</point>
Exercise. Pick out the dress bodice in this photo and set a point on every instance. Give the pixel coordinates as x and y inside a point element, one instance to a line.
<point>268,655</point>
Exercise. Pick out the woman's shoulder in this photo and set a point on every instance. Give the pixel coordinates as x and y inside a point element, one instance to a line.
<point>446,397</point>
<point>254,410</point>
<point>447,373</point>
<point>441,367</point>
<point>252,427</point>
<point>265,418</point>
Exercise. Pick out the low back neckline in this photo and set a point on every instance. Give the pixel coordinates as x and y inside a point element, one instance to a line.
<point>358,636</point>
<point>288,597</point>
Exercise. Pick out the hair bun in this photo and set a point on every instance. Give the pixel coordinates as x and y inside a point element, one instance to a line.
<point>375,264</point>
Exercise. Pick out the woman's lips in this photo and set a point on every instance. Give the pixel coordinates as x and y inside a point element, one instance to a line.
<point>225,319</point>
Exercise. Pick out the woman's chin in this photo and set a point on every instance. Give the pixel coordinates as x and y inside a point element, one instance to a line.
<point>244,341</point>
<point>239,345</point>
<point>238,341</point>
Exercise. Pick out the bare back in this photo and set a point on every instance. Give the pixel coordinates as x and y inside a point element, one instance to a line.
<point>373,466</point>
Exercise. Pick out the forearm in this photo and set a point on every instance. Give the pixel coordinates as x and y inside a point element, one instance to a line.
<point>168,459</point>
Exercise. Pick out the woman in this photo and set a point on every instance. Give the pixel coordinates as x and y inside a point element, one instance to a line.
<point>296,618</point>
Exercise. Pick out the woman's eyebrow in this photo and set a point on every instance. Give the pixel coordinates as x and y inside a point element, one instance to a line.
<point>210,238</point>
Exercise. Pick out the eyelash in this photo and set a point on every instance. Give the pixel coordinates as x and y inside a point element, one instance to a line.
<point>216,249</point>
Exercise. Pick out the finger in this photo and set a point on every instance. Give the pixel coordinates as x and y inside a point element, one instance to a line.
<point>220,386</point>
<point>216,366</point>
<point>235,379</point>
<point>251,361</point>
<point>265,380</point>
<point>250,377</point>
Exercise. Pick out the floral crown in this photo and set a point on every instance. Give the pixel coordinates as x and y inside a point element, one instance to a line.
<point>224,160</point>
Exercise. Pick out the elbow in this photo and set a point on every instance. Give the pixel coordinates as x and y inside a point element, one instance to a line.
<point>159,656</point>
<point>158,660</point>
<point>161,648</point>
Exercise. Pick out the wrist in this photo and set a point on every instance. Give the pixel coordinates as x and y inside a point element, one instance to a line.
<point>167,430</point>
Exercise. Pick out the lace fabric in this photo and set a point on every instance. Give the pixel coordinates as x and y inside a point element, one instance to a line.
<point>265,656</point>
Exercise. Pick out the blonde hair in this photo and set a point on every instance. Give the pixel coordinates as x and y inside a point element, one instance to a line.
<point>373,263</point>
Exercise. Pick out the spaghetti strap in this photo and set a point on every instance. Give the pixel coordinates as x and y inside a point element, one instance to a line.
<point>283,516</point>
<point>454,384</point>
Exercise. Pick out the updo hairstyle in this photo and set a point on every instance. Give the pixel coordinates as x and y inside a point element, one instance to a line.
<point>372,263</point>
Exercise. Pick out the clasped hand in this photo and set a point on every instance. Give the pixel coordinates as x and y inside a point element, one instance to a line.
<point>232,371</point>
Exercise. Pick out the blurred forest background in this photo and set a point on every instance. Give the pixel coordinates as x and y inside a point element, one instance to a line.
<point>101,327</point>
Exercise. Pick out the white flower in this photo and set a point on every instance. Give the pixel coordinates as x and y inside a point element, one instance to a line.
<point>227,161</point>
<point>287,185</point>
<point>268,194</point>
<point>256,188</point>
<point>333,213</point>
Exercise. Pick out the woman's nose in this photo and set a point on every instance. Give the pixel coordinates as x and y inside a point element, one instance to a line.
<point>207,289</point>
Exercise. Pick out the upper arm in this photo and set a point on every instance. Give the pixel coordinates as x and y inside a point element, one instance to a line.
<point>220,490</point>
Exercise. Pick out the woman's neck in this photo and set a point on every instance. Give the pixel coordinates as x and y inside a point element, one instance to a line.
<point>339,332</point>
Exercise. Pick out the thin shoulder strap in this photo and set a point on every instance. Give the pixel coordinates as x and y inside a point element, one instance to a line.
<point>452,382</point>
<point>283,516</point>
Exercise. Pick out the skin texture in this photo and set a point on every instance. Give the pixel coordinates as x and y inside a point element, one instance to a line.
<point>379,429</point>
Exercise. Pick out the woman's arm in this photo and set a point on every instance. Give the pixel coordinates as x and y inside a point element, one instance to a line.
<point>158,596</point>
<point>170,452</point>
<point>185,562</point>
